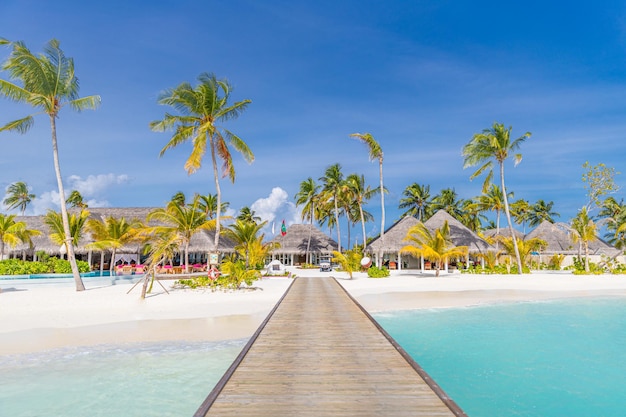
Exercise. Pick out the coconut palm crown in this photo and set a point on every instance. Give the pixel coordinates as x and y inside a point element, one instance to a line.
<point>201,111</point>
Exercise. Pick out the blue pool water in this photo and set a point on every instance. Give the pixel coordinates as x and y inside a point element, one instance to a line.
<point>543,359</point>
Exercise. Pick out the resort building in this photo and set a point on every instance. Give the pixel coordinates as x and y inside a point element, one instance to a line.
<point>395,235</point>
<point>201,244</point>
<point>293,245</point>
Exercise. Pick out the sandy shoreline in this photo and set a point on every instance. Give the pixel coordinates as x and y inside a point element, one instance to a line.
<point>37,316</point>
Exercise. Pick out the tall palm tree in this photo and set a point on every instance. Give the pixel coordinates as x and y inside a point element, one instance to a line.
<point>307,197</point>
<point>520,210</point>
<point>182,222</point>
<point>76,200</point>
<point>179,198</point>
<point>48,83</point>
<point>376,153</point>
<point>471,217</point>
<point>208,204</point>
<point>417,201</point>
<point>333,183</point>
<point>494,144</point>
<point>584,231</point>
<point>201,110</point>
<point>77,223</point>
<point>360,194</point>
<point>10,232</point>
<point>248,215</point>
<point>541,211</point>
<point>111,234</point>
<point>18,196</point>
<point>492,200</point>
<point>435,246</point>
<point>448,200</point>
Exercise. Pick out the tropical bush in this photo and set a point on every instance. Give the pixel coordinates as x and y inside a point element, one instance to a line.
<point>349,262</point>
<point>376,272</point>
<point>233,275</point>
<point>496,269</point>
<point>51,265</point>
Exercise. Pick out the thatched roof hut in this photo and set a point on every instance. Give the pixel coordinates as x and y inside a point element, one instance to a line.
<point>560,241</point>
<point>460,234</point>
<point>394,236</point>
<point>202,242</point>
<point>503,231</point>
<point>294,242</point>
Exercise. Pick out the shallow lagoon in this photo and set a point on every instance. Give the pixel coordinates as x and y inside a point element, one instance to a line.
<point>543,359</point>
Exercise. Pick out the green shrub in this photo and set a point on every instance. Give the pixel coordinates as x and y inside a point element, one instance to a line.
<point>376,272</point>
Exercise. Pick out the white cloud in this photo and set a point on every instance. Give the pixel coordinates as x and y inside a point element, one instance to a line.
<point>275,206</point>
<point>93,185</point>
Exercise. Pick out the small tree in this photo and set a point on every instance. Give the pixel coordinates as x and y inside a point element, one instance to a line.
<point>435,246</point>
<point>349,262</point>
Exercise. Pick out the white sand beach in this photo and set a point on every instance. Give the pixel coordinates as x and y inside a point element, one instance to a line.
<point>41,316</point>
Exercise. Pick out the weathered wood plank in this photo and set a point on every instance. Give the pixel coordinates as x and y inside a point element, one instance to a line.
<point>320,354</point>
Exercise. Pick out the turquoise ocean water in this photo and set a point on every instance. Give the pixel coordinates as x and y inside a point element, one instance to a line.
<point>543,359</point>
<point>547,359</point>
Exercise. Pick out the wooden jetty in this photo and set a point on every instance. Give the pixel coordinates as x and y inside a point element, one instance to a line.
<point>319,353</point>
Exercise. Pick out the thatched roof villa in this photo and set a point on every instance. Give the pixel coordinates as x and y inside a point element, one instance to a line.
<point>395,235</point>
<point>293,245</point>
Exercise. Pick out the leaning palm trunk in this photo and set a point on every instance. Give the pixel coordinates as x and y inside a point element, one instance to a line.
<point>71,257</point>
<point>508,218</point>
<point>338,228</point>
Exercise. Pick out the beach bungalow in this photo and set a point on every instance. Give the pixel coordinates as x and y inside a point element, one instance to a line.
<point>293,245</point>
<point>200,246</point>
<point>560,242</point>
<point>395,235</point>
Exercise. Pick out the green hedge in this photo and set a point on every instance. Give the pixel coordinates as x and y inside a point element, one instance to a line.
<point>51,266</point>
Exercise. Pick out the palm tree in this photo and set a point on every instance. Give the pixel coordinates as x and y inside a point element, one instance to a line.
<point>526,247</point>
<point>614,214</point>
<point>520,210</point>
<point>77,222</point>
<point>179,198</point>
<point>359,194</point>
<point>435,246</point>
<point>48,84</point>
<point>417,201</point>
<point>113,234</point>
<point>331,193</point>
<point>492,200</point>
<point>584,231</point>
<point>540,212</point>
<point>375,153</point>
<point>182,222</point>
<point>307,197</point>
<point>208,204</point>
<point>471,217</point>
<point>245,234</point>
<point>449,201</point>
<point>248,215</point>
<point>76,200</point>
<point>10,232</point>
<point>18,196</point>
<point>202,109</point>
<point>494,144</point>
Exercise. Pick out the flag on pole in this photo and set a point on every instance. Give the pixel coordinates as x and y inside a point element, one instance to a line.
<point>283,229</point>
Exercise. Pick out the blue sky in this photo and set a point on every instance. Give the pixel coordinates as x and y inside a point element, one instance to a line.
<point>421,76</point>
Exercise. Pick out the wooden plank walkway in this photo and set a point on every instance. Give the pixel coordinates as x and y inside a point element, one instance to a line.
<point>320,354</point>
